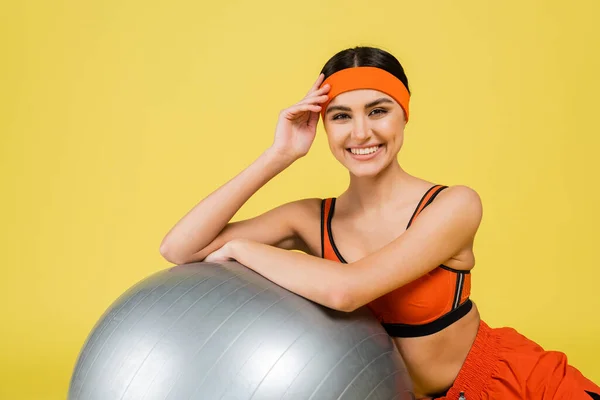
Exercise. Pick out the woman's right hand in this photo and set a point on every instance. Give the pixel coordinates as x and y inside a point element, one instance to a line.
<point>297,125</point>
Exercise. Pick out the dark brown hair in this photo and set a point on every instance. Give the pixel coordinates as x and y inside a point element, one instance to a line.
<point>362,56</point>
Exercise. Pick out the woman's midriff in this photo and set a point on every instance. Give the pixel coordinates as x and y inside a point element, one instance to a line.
<point>434,361</point>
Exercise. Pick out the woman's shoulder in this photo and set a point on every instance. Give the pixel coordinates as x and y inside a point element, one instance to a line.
<point>451,193</point>
<point>302,209</point>
<point>459,200</point>
<point>303,217</point>
<point>442,198</point>
<point>461,193</point>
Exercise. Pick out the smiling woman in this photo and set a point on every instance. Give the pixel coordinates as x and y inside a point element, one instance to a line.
<point>386,115</point>
<point>403,245</point>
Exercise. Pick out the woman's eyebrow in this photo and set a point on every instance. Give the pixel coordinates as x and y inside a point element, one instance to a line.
<point>369,105</point>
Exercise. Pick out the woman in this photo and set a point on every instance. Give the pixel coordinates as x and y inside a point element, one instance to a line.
<point>403,246</point>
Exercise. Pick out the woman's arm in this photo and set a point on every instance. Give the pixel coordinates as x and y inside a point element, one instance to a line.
<point>190,238</point>
<point>442,230</point>
<point>207,226</point>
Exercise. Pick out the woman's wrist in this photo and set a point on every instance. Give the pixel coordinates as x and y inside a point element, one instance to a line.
<point>278,158</point>
<point>236,249</point>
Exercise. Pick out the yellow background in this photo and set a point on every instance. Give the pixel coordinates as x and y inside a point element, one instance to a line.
<point>116,117</point>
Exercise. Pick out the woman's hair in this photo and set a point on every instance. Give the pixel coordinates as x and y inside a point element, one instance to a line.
<point>361,56</point>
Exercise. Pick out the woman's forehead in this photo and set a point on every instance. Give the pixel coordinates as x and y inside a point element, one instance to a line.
<point>359,97</point>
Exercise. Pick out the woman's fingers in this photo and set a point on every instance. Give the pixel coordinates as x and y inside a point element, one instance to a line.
<point>316,85</point>
<point>316,90</point>
<point>311,101</point>
<point>314,99</point>
<point>298,109</point>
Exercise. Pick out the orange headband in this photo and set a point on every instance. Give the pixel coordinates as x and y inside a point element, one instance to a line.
<point>366,78</point>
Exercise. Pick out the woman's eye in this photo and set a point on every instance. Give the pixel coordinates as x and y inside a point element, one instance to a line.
<point>375,111</point>
<point>379,109</point>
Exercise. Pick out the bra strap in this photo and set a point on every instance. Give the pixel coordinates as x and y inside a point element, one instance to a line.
<point>328,247</point>
<point>427,198</point>
<point>325,206</point>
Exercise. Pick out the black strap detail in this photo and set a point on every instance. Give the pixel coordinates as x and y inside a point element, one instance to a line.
<point>593,395</point>
<point>323,228</point>
<point>458,271</point>
<point>458,290</point>
<point>439,395</point>
<point>329,218</point>
<point>410,221</point>
<point>406,330</point>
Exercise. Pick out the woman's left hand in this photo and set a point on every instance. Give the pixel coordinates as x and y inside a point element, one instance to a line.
<point>225,253</point>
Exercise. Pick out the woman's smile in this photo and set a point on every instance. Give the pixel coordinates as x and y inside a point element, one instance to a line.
<point>365,153</point>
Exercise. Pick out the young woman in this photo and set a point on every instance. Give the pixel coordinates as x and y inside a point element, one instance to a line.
<point>398,244</point>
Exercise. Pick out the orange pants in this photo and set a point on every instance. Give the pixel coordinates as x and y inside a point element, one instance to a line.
<point>504,364</point>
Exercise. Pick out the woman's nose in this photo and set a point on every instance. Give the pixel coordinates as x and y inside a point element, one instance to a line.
<point>360,130</point>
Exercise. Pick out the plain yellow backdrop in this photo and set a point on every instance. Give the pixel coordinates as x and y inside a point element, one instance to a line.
<point>116,117</point>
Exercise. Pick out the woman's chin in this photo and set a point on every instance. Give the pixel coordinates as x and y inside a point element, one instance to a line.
<point>366,170</point>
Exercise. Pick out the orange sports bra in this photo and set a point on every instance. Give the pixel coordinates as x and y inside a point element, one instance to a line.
<point>423,306</point>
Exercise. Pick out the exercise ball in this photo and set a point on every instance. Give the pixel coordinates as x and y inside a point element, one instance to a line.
<point>215,331</point>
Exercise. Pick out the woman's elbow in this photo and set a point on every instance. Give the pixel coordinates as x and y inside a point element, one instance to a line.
<point>343,300</point>
<point>170,256</point>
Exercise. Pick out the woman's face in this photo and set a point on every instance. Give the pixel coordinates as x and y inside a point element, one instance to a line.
<point>365,129</point>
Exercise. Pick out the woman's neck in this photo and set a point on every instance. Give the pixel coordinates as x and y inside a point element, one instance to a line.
<point>375,192</point>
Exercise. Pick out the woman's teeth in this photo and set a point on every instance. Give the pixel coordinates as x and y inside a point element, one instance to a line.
<point>366,150</point>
